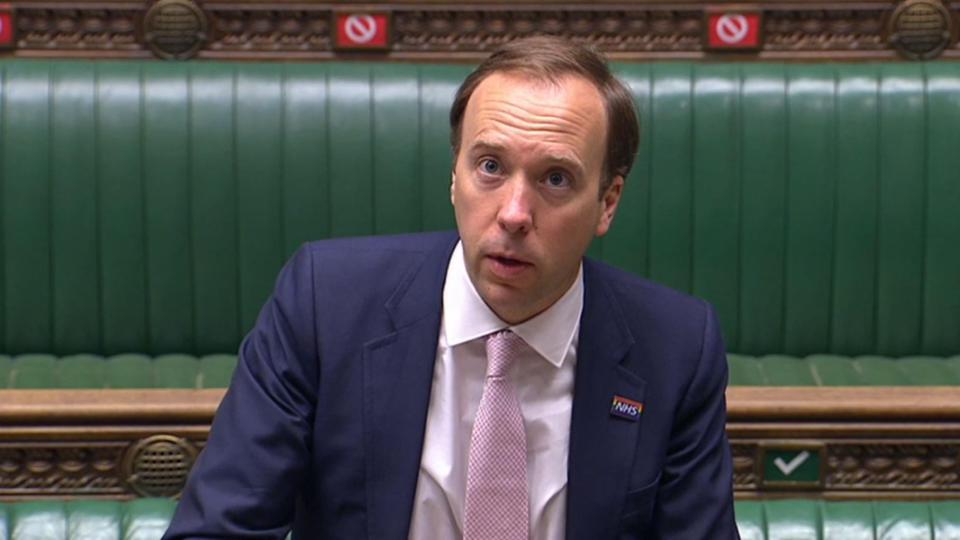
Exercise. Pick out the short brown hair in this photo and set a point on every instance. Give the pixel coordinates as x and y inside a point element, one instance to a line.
<point>550,58</point>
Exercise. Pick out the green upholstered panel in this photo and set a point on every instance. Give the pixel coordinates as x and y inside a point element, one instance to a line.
<point>138,519</point>
<point>853,324</point>
<point>25,194</point>
<point>93,520</point>
<point>213,208</point>
<point>946,523</point>
<point>215,371</point>
<point>940,256</point>
<point>847,520</point>
<point>902,520</point>
<point>45,520</point>
<point>34,371</point>
<point>124,319</point>
<point>792,519</point>
<point>786,519</point>
<point>119,371</point>
<point>146,519</point>
<point>151,204</point>
<point>834,370</point>
<point>751,521</point>
<point>82,371</point>
<point>5,366</point>
<point>809,519</point>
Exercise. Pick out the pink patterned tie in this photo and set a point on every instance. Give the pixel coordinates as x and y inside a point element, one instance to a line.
<point>496,503</point>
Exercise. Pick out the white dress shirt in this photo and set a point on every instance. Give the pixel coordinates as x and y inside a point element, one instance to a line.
<point>543,381</point>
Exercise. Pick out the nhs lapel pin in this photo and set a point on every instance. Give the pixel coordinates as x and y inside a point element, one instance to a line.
<point>626,408</point>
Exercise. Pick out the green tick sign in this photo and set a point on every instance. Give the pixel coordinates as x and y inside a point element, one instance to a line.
<point>796,466</point>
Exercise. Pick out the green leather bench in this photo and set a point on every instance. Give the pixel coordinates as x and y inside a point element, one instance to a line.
<point>145,207</point>
<point>35,371</point>
<point>139,519</point>
<point>786,519</point>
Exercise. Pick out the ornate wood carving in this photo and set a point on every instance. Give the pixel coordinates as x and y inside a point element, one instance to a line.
<point>100,443</point>
<point>876,441</point>
<point>435,31</point>
<point>744,465</point>
<point>65,469</point>
<point>911,466</point>
<point>63,29</point>
<point>292,30</point>
<point>825,30</point>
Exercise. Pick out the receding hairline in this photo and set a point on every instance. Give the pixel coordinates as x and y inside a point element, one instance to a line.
<point>539,78</point>
<point>556,82</point>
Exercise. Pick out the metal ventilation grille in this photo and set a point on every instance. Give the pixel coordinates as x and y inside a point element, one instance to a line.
<point>158,466</point>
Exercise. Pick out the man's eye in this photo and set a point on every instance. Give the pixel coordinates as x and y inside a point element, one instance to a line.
<point>489,166</point>
<point>557,179</point>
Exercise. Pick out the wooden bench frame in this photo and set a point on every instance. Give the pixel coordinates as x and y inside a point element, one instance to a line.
<point>873,442</point>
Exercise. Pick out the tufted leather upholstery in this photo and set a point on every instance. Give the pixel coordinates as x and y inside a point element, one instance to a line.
<point>835,370</point>
<point>213,371</point>
<point>785,519</point>
<point>119,371</point>
<point>139,519</point>
<point>809,519</point>
<point>146,207</point>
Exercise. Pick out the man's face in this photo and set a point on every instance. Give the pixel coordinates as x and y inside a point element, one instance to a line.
<point>526,188</point>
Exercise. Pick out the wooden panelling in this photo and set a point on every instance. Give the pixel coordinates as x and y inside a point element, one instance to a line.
<point>430,30</point>
<point>879,442</point>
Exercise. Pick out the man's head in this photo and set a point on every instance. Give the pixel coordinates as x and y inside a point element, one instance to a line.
<point>549,58</point>
<point>531,154</point>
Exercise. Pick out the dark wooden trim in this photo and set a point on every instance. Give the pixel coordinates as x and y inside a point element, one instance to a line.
<point>106,407</point>
<point>435,31</point>
<point>810,404</point>
<point>873,442</point>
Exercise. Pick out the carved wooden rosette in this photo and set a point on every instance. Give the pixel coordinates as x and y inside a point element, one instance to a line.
<point>915,29</point>
<point>869,442</point>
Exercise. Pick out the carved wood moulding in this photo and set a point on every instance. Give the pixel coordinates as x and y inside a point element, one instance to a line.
<point>841,443</point>
<point>433,31</point>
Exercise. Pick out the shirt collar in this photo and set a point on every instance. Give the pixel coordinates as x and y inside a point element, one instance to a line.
<point>467,317</point>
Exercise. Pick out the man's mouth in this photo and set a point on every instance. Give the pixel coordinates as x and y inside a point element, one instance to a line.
<point>507,267</point>
<point>507,261</point>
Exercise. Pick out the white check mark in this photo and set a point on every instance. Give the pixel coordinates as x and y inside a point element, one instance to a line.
<point>787,468</point>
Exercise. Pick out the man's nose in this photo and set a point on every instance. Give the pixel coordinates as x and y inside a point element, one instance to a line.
<point>516,210</point>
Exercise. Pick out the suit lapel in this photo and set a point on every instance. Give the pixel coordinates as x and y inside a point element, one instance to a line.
<point>602,445</point>
<point>397,375</point>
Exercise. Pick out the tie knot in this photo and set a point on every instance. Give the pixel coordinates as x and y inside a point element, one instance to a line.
<point>502,348</point>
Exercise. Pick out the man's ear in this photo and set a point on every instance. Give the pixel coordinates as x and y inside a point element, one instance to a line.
<point>608,204</point>
<point>453,180</point>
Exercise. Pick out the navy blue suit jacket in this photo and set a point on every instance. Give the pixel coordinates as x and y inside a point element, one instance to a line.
<point>322,426</point>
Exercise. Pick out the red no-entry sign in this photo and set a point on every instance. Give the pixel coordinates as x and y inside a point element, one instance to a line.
<point>362,30</point>
<point>6,25</point>
<point>732,30</point>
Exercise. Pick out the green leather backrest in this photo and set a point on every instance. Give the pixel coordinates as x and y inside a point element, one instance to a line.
<point>835,370</point>
<point>788,519</point>
<point>147,206</point>
<point>809,519</point>
<point>138,519</point>
<point>33,371</point>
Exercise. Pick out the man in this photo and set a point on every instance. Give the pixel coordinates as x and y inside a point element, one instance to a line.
<point>360,407</point>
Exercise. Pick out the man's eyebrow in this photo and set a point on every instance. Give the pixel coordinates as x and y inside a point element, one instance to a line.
<point>486,145</point>
<point>562,160</point>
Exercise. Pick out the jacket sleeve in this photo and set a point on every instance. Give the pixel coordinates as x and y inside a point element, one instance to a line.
<point>246,479</point>
<point>696,489</point>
